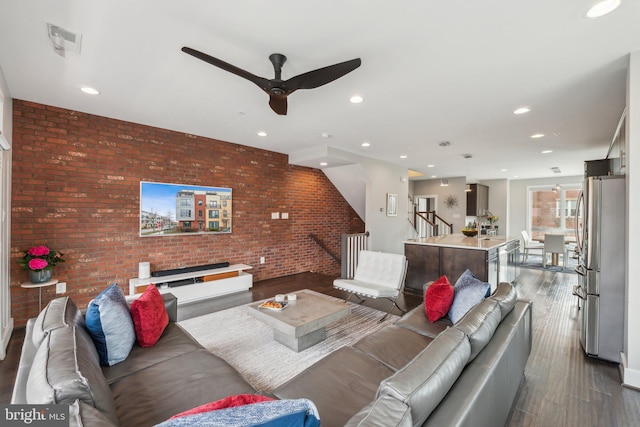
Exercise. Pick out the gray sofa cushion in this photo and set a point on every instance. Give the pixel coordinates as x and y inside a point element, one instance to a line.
<point>479,324</point>
<point>392,345</point>
<point>505,295</point>
<point>339,385</point>
<point>416,321</point>
<point>58,313</point>
<point>383,412</point>
<point>156,393</point>
<point>424,381</point>
<point>173,342</point>
<point>65,368</point>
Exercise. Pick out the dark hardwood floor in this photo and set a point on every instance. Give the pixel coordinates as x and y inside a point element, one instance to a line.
<point>562,386</point>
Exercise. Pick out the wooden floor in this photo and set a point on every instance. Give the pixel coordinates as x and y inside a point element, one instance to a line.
<point>562,386</point>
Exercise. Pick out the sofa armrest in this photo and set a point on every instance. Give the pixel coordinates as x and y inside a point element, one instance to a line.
<point>171,304</point>
<point>19,395</point>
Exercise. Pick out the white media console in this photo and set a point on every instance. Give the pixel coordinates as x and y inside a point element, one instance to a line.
<point>216,282</point>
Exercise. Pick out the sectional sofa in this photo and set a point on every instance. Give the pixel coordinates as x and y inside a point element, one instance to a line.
<point>411,373</point>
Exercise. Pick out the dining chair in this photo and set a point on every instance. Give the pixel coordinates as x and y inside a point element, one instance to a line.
<point>529,244</point>
<point>554,244</point>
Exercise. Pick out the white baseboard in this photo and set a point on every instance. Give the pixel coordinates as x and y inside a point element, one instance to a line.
<point>630,377</point>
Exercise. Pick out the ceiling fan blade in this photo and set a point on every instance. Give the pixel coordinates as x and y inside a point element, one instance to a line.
<point>278,104</point>
<point>321,76</point>
<point>263,83</point>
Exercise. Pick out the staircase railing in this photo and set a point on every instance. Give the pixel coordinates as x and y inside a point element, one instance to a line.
<point>352,244</point>
<point>429,224</point>
<point>323,245</point>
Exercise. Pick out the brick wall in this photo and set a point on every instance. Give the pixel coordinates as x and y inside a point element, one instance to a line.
<point>76,188</point>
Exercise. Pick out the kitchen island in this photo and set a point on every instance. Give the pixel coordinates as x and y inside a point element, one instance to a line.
<point>491,259</point>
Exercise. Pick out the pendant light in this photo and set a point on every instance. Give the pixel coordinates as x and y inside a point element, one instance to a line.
<point>467,156</point>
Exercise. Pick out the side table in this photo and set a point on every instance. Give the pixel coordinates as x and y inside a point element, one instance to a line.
<point>29,285</point>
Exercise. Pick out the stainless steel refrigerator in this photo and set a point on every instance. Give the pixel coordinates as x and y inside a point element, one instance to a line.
<point>600,236</point>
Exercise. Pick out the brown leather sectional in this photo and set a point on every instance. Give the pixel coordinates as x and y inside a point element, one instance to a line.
<point>411,373</point>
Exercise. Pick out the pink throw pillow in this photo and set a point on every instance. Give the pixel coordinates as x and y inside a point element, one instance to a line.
<point>149,317</point>
<point>438,299</point>
<point>227,402</point>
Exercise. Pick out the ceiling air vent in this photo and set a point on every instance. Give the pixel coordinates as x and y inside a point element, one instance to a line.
<point>63,40</point>
<point>556,169</point>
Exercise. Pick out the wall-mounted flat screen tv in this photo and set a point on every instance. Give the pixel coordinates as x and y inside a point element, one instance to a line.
<point>171,209</point>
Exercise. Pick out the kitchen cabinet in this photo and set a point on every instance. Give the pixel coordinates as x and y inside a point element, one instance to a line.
<point>477,200</point>
<point>491,260</point>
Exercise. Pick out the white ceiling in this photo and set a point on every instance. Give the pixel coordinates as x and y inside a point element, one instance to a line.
<point>432,71</point>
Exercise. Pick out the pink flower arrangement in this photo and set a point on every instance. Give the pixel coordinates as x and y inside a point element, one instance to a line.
<point>39,258</point>
<point>37,264</point>
<point>38,251</point>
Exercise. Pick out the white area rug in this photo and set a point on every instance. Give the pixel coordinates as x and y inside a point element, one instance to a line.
<point>248,344</point>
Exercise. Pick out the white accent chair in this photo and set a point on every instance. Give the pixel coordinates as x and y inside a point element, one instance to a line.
<point>528,245</point>
<point>377,275</point>
<point>554,244</point>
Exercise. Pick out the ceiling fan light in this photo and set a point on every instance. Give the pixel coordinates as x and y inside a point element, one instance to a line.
<point>603,8</point>
<point>90,90</point>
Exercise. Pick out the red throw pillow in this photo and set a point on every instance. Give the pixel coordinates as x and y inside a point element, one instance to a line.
<point>149,317</point>
<point>438,299</point>
<point>227,402</point>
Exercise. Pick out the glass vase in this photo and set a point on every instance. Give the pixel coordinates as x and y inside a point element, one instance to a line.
<point>39,276</point>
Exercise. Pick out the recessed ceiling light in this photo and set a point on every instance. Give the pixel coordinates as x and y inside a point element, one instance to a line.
<point>434,176</point>
<point>325,135</point>
<point>521,110</point>
<point>90,90</point>
<point>366,144</point>
<point>324,164</point>
<point>356,99</point>
<point>404,156</point>
<point>602,8</point>
<point>537,135</point>
<point>547,151</point>
<point>430,166</point>
<point>262,133</point>
<point>503,170</point>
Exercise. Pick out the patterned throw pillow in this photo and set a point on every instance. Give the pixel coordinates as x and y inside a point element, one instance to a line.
<point>149,317</point>
<point>109,323</point>
<point>438,299</point>
<point>469,291</point>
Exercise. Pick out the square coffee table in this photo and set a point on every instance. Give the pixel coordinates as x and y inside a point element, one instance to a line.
<point>302,323</point>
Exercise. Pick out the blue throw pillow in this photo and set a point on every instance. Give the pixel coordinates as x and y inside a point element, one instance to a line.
<point>469,291</point>
<point>109,323</point>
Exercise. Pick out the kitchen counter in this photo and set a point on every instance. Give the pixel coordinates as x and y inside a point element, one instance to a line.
<point>484,243</point>
<point>491,259</point>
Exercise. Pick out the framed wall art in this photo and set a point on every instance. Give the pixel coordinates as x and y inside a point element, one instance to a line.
<point>392,204</point>
<point>171,209</point>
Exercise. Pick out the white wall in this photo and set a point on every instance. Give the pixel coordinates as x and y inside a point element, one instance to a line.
<point>377,178</point>
<point>454,215</point>
<point>631,354</point>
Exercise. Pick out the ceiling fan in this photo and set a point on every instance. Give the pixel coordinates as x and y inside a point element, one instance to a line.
<point>279,89</point>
